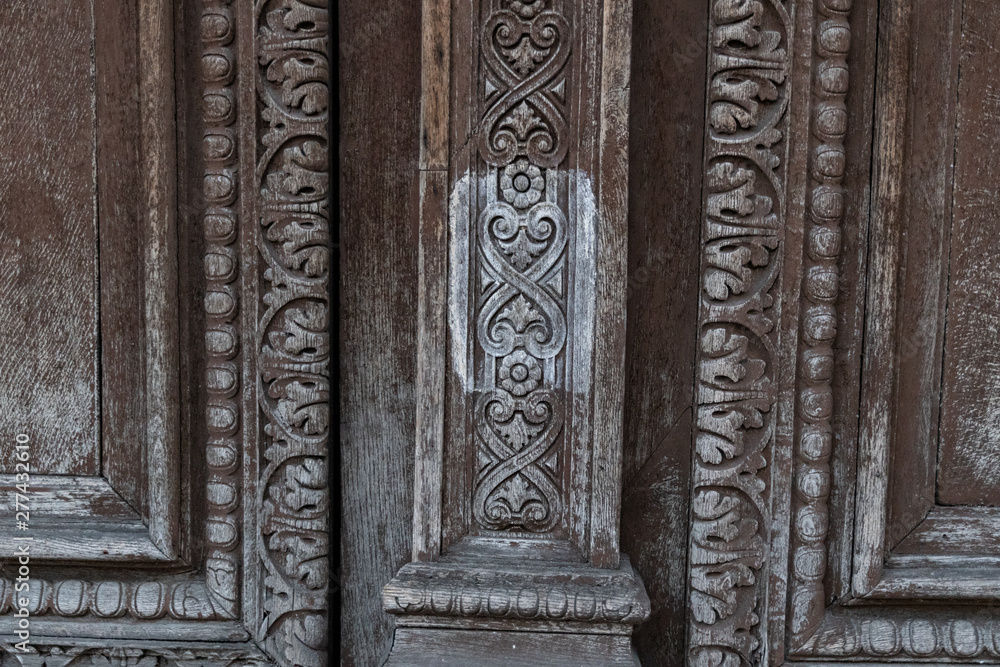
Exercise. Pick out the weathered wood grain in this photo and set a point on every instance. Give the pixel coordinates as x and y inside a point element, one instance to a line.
<point>121,203</point>
<point>460,648</point>
<point>159,225</point>
<point>380,52</point>
<point>954,531</point>
<point>848,346</point>
<point>878,370</point>
<point>969,472</point>
<point>48,236</point>
<point>925,214</point>
<point>666,131</point>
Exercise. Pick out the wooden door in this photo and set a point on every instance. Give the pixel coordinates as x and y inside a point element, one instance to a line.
<point>862,524</point>
<point>164,239</point>
<point>808,452</point>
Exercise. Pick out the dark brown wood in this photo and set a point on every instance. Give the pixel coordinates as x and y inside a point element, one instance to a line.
<point>923,265</point>
<point>521,330</point>
<point>49,236</point>
<point>921,583</point>
<point>132,557</point>
<point>380,52</point>
<point>130,277</point>
<point>665,155</point>
<point>121,206</point>
<point>970,414</point>
<point>459,648</point>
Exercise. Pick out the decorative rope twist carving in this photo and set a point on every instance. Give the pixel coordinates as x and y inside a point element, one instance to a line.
<point>525,59</point>
<point>522,237</point>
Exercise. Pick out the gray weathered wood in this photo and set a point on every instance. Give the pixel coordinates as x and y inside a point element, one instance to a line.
<point>49,236</point>
<point>522,259</point>
<point>380,51</point>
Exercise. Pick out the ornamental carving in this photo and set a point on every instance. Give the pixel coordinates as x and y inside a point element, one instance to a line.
<point>743,236</point>
<point>566,595</point>
<point>522,236</point>
<point>220,189</point>
<point>294,365</point>
<point>525,47</point>
<point>820,287</point>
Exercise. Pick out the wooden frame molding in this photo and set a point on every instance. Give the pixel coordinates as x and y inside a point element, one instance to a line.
<point>521,329</point>
<point>745,237</point>
<point>141,419</point>
<point>774,202</point>
<point>255,588</point>
<point>791,557</point>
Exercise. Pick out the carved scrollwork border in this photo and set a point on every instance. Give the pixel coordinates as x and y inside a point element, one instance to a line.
<point>63,654</point>
<point>277,579</point>
<point>737,383</point>
<point>293,341</point>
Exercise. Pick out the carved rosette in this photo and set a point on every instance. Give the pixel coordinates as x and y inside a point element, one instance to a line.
<point>522,235</point>
<point>293,176</point>
<point>222,376</point>
<point>825,210</point>
<point>742,250</point>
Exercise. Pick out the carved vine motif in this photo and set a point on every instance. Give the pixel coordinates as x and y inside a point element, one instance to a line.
<point>742,235</point>
<point>293,177</point>
<point>222,376</point>
<point>521,241</point>
<point>54,655</point>
<point>825,209</point>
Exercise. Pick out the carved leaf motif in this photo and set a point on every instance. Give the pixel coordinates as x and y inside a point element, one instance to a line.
<point>734,553</point>
<point>302,73</point>
<point>303,242</point>
<point>292,164</point>
<point>525,56</point>
<point>301,171</point>
<point>517,432</point>
<point>522,250</point>
<point>526,9</point>
<point>742,256</point>
<point>305,406</point>
<point>522,120</point>
<point>739,236</point>
<point>727,358</point>
<point>521,313</point>
<point>296,509</point>
<point>749,66</point>
<point>303,331</point>
<point>303,80</point>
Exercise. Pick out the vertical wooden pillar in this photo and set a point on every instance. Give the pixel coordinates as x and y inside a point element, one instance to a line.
<point>521,338</point>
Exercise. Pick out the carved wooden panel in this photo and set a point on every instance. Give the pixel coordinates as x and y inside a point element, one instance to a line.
<point>822,532</point>
<point>744,229</point>
<point>91,308</point>
<point>207,542</point>
<point>520,329</point>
